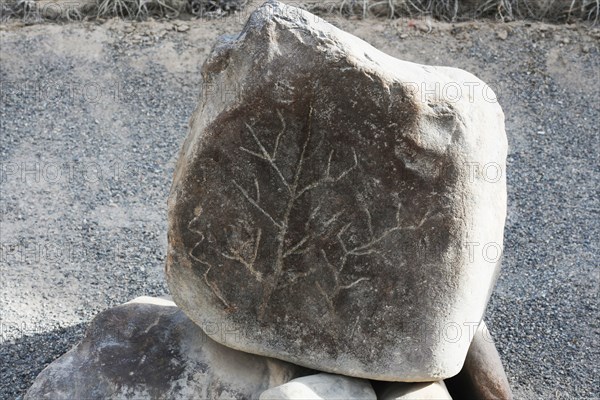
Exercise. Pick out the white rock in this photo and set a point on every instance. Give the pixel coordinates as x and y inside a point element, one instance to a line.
<point>322,387</point>
<point>416,391</point>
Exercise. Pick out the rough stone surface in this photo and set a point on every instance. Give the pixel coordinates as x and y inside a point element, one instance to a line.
<point>328,205</point>
<point>149,349</point>
<point>416,391</point>
<point>322,387</point>
<point>482,376</point>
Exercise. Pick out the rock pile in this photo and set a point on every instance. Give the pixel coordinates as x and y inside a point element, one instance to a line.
<point>328,212</point>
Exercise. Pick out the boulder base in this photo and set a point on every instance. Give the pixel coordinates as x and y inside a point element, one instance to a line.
<point>149,349</point>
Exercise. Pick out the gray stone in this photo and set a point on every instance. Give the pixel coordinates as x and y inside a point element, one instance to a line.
<point>322,387</point>
<point>416,391</point>
<point>343,208</point>
<point>482,377</point>
<point>149,349</point>
<point>63,9</point>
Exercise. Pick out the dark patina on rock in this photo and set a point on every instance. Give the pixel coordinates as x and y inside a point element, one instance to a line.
<point>325,205</point>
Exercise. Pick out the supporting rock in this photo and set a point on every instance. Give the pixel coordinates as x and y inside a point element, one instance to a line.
<point>322,387</point>
<point>149,349</point>
<point>416,391</point>
<point>482,376</point>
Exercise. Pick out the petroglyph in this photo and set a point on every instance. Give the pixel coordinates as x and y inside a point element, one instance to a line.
<point>325,219</point>
<point>245,239</point>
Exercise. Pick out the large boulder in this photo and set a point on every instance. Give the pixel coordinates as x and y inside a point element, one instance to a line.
<point>342,208</point>
<point>149,349</point>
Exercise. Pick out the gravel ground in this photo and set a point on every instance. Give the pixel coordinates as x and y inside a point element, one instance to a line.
<point>92,119</point>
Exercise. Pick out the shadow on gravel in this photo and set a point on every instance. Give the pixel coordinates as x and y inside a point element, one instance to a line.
<point>24,358</point>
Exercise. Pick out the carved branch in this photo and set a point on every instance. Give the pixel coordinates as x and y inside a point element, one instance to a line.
<point>339,236</point>
<point>359,280</point>
<point>367,248</point>
<point>265,156</point>
<point>215,289</point>
<point>256,205</point>
<point>327,298</point>
<point>313,214</point>
<point>347,171</point>
<point>337,286</point>
<point>297,276</point>
<point>213,286</point>
<point>283,127</point>
<point>294,248</point>
<point>257,191</point>
<point>369,222</point>
<point>326,178</point>
<point>237,254</point>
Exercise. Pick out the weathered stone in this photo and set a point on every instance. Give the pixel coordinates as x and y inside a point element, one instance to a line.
<point>62,9</point>
<point>333,205</point>
<point>322,387</point>
<point>482,376</point>
<point>149,349</point>
<point>416,391</point>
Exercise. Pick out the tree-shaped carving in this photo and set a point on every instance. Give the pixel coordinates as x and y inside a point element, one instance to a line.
<point>369,246</point>
<point>293,192</point>
<point>291,179</point>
